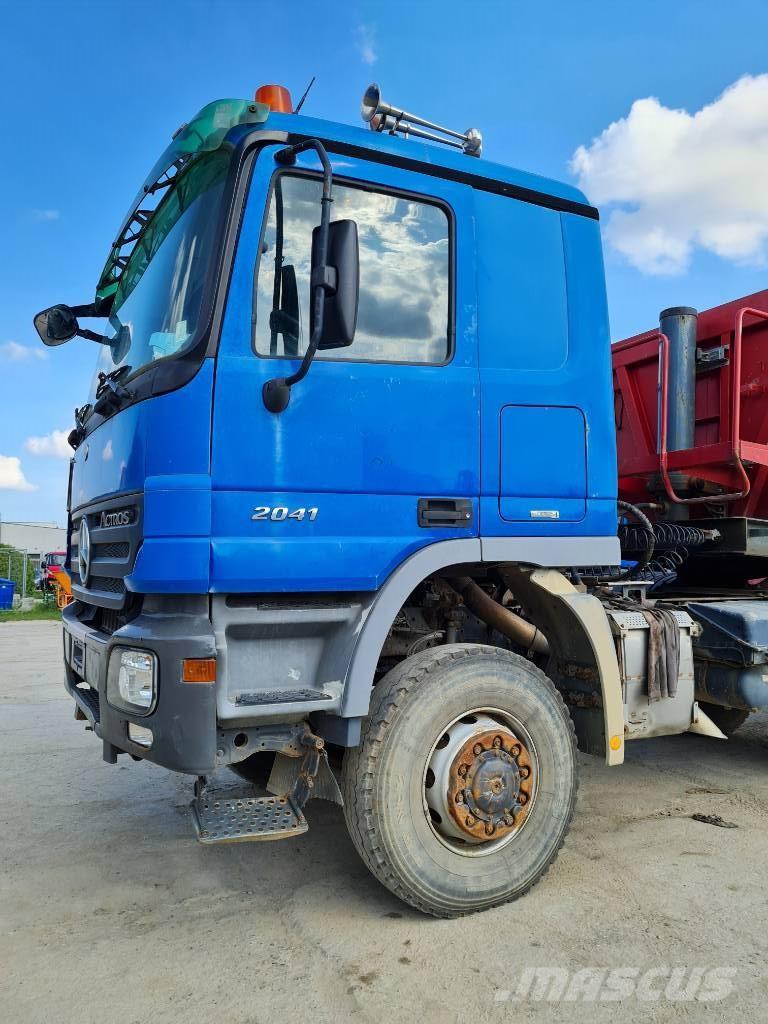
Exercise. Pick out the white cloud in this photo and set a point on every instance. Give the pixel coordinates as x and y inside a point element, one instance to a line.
<point>43,215</point>
<point>366,44</point>
<point>53,444</point>
<point>679,181</point>
<point>18,353</point>
<point>12,476</point>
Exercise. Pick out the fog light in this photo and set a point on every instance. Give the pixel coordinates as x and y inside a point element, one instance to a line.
<point>131,682</point>
<point>138,734</point>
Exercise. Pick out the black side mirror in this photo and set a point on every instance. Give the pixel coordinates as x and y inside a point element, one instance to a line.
<point>342,283</point>
<point>56,325</point>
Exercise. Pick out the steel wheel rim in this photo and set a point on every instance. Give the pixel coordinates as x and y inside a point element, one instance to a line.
<point>505,721</point>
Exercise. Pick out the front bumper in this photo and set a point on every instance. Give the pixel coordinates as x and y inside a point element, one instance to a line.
<point>183,721</point>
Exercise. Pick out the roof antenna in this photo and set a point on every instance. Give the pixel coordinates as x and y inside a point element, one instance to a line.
<point>300,104</point>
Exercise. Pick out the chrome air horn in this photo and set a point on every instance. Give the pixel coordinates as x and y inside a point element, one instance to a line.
<point>383,117</point>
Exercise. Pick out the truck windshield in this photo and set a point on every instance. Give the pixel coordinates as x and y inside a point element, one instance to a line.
<point>157,307</point>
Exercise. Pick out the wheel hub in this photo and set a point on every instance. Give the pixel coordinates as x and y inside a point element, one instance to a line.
<point>490,782</point>
<point>481,781</point>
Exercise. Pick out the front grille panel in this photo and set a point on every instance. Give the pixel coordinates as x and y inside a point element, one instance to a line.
<point>115,530</point>
<point>118,549</point>
<point>106,584</point>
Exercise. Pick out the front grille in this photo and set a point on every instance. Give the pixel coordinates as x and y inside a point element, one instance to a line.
<point>106,584</point>
<point>115,529</point>
<point>118,549</point>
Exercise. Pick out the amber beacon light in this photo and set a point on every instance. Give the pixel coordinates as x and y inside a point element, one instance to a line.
<point>276,98</point>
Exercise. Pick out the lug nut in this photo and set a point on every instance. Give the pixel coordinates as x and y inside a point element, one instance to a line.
<point>462,770</point>
<point>477,749</point>
<point>515,751</point>
<point>522,798</point>
<point>508,819</point>
<point>459,798</point>
<point>524,772</point>
<point>497,741</point>
<point>469,821</point>
<point>489,829</point>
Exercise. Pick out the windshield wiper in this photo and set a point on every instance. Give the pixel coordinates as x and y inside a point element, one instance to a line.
<point>110,392</point>
<point>114,375</point>
<point>76,436</point>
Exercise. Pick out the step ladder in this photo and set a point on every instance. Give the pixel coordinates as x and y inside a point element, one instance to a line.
<point>239,817</point>
<point>240,814</point>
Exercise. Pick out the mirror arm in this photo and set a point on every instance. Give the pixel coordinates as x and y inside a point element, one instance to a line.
<point>98,308</point>
<point>276,392</point>
<point>102,339</point>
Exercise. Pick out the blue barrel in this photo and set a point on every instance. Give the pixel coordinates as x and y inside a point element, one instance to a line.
<point>6,593</point>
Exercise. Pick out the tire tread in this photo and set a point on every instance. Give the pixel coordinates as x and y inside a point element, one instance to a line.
<point>361,762</point>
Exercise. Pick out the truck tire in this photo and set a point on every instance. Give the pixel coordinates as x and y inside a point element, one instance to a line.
<point>461,715</point>
<point>726,719</point>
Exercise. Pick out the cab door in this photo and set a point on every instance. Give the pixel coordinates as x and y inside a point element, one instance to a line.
<point>534,424</point>
<point>330,493</point>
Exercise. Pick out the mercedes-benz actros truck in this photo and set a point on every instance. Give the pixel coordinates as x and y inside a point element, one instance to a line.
<point>345,511</point>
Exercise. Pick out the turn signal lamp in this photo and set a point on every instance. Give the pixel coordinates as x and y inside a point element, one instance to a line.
<point>198,670</point>
<point>276,97</point>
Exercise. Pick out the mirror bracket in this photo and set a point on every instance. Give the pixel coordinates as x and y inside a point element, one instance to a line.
<point>324,277</point>
<point>276,392</point>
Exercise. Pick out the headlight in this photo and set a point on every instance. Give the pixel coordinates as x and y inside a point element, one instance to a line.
<point>132,680</point>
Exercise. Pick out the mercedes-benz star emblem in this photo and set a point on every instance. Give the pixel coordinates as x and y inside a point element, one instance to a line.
<point>84,552</point>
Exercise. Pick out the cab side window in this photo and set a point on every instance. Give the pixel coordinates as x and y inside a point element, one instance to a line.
<point>403,315</point>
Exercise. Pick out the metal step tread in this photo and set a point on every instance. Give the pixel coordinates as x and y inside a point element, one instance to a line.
<point>281,696</point>
<point>226,817</point>
<point>88,700</point>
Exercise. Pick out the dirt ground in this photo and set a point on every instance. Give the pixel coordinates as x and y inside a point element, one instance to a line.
<point>111,911</point>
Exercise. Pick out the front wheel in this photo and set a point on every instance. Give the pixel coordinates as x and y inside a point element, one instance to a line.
<point>462,789</point>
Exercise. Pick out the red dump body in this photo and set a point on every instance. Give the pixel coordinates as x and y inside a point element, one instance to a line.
<point>729,460</point>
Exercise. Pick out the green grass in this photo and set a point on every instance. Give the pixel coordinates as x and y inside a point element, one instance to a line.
<point>40,611</point>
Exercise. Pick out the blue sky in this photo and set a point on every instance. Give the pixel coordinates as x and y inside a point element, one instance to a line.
<point>92,100</point>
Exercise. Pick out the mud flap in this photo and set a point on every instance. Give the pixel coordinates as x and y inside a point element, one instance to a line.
<point>285,773</point>
<point>702,724</point>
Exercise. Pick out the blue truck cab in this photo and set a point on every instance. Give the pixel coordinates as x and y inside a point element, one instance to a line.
<point>247,578</point>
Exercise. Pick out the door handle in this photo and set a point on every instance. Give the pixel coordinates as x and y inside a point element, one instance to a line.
<point>450,512</point>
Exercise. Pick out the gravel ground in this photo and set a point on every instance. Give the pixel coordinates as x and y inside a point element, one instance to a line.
<point>111,911</point>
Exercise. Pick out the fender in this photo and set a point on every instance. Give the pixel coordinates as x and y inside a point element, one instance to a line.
<point>379,616</point>
<point>584,664</point>
<point>575,623</point>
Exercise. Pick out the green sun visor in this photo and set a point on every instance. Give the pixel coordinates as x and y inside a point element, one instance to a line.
<point>203,134</point>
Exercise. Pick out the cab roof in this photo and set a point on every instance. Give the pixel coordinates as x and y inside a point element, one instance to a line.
<point>438,159</point>
<point>229,121</point>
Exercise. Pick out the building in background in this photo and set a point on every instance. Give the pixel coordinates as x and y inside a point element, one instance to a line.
<point>34,538</point>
